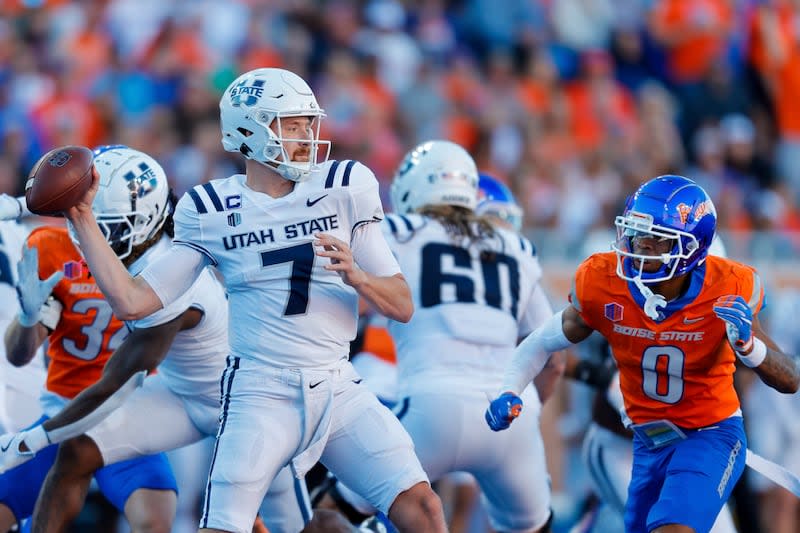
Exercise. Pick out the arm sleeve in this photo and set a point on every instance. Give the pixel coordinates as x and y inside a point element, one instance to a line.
<point>533,353</point>
<point>188,230</point>
<point>539,310</point>
<point>367,207</point>
<point>756,301</point>
<point>172,274</point>
<point>371,251</point>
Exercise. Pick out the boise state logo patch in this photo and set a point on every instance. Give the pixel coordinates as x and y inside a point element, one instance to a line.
<point>613,311</point>
<point>73,270</point>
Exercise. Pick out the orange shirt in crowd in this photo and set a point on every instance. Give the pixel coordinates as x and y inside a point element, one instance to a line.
<point>694,32</point>
<point>779,61</point>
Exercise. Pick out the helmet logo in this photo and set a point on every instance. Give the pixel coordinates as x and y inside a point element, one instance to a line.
<point>413,158</point>
<point>248,95</point>
<point>683,212</point>
<point>59,159</point>
<point>142,184</point>
<point>702,209</point>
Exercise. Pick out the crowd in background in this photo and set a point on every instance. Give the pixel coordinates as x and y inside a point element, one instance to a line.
<point>572,102</point>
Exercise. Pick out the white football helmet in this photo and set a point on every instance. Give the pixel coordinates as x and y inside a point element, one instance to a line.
<point>435,173</point>
<point>249,107</point>
<point>132,201</point>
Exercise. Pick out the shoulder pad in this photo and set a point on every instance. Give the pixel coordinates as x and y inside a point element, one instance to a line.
<point>348,173</point>
<point>404,226</point>
<point>205,199</point>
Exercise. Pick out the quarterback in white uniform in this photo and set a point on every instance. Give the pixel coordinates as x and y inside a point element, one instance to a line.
<point>296,245</point>
<point>177,406</point>
<point>476,291</point>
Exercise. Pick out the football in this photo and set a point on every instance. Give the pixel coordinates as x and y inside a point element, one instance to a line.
<point>59,180</point>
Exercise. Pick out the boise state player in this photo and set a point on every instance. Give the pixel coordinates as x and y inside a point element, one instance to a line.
<point>296,243</point>
<point>676,318</point>
<point>82,333</point>
<point>476,290</point>
<point>187,340</point>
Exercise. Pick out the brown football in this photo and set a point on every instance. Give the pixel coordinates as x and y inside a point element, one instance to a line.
<point>59,180</point>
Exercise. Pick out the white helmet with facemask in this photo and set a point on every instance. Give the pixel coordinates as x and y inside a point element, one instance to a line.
<point>132,201</point>
<point>435,173</point>
<point>252,112</point>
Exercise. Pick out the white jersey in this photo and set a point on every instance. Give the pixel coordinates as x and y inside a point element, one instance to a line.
<point>288,311</point>
<point>195,361</point>
<point>469,313</point>
<point>19,386</point>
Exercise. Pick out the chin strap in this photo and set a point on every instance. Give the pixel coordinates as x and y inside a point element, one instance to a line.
<point>652,301</point>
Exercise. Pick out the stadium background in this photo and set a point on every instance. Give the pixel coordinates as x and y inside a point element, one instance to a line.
<point>571,102</point>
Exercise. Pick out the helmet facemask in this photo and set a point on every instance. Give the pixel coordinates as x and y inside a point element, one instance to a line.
<point>631,265</point>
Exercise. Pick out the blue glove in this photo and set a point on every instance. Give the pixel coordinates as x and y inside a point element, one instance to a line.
<point>503,410</point>
<point>738,321</point>
<point>33,292</point>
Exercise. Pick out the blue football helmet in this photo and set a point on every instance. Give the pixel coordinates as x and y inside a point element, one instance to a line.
<point>496,199</point>
<point>666,208</point>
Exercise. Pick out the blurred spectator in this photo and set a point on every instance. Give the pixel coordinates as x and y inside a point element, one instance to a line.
<point>582,25</point>
<point>776,55</point>
<point>695,34</point>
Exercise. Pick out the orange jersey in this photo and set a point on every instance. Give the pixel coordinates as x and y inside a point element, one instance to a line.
<point>681,368</point>
<point>88,331</point>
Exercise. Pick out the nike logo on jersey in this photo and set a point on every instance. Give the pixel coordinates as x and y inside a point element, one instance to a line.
<point>312,385</point>
<point>310,202</point>
<point>5,448</point>
<point>687,320</point>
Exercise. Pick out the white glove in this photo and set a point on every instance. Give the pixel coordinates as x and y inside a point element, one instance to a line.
<point>11,456</point>
<point>32,292</point>
<point>10,207</point>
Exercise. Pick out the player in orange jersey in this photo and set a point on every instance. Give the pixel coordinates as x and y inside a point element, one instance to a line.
<point>82,333</point>
<point>676,320</point>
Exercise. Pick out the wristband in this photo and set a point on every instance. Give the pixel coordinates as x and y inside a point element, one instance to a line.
<point>36,439</point>
<point>756,356</point>
<point>27,321</point>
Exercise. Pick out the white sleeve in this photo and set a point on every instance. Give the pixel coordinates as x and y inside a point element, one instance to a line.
<point>371,251</point>
<point>539,310</point>
<point>533,352</point>
<point>173,273</point>
<point>364,191</point>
